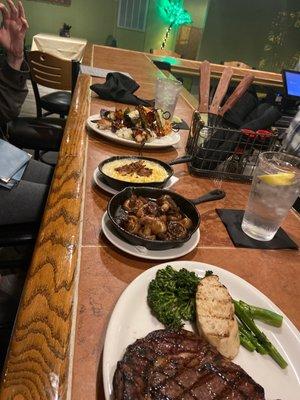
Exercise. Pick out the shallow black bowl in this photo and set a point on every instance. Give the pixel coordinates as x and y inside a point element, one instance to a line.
<point>120,185</point>
<point>187,207</point>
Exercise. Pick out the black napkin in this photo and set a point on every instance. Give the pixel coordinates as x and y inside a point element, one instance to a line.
<point>181,126</point>
<point>119,87</point>
<point>232,219</point>
<point>265,116</point>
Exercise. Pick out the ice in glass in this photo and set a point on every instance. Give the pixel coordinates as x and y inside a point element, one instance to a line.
<point>275,187</point>
<point>166,95</point>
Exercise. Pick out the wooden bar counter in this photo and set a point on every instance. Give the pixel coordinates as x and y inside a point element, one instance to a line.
<point>76,275</point>
<point>191,68</point>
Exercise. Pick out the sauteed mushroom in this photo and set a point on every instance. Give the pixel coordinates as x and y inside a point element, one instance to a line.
<point>159,219</point>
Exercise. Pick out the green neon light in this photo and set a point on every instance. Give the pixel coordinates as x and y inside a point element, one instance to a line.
<point>174,14</point>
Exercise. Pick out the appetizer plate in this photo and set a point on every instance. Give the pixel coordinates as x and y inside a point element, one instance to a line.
<point>104,186</point>
<point>142,252</point>
<point>166,141</point>
<point>132,319</point>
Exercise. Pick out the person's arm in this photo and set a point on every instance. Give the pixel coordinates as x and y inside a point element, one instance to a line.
<point>13,75</point>
<point>13,91</point>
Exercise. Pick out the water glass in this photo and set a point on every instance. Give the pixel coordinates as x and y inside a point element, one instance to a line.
<point>275,187</point>
<point>166,95</point>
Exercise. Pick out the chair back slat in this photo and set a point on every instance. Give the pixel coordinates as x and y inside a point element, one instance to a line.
<point>56,74</point>
<point>50,71</point>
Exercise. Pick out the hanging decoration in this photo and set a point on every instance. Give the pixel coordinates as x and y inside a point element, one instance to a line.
<point>175,15</point>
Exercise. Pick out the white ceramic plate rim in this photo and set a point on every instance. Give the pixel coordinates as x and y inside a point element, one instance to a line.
<point>166,141</point>
<point>157,255</point>
<point>291,335</point>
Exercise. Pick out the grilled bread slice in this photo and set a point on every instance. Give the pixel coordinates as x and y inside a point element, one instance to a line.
<point>215,316</point>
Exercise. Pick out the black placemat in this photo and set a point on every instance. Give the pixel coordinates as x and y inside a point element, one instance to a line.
<point>232,219</point>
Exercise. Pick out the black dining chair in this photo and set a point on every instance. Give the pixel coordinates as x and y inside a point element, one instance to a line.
<point>43,135</point>
<point>55,73</point>
<point>18,235</point>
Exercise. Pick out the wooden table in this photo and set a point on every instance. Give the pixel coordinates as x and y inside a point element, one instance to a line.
<point>76,276</point>
<point>62,47</point>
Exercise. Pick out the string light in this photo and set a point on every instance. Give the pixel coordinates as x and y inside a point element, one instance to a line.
<point>166,37</point>
<point>173,12</point>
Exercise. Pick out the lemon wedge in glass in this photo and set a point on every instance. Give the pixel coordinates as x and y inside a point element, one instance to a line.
<point>280,179</point>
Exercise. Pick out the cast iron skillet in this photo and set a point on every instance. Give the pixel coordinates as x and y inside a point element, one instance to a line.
<point>119,184</point>
<point>187,207</point>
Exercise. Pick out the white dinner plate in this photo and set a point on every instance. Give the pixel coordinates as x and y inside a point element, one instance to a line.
<point>166,141</point>
<point>140,251</point>
<point>131,319</point>
<point>102,185</point>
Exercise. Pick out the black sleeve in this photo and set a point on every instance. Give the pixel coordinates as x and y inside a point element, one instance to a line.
<point>13,91</point>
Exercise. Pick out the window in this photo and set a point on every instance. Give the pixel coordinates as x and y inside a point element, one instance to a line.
<point>132,14</point>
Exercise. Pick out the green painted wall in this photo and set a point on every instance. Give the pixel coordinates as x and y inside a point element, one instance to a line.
<point>198,10</point>
<point>90,19</point>
<point>238,30</point>
<point>94,20</point>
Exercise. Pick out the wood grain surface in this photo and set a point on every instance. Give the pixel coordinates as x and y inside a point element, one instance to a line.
<point>37,365</point>
<point>191,68</point>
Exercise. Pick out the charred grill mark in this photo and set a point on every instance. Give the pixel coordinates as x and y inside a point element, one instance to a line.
<point>179,365</point>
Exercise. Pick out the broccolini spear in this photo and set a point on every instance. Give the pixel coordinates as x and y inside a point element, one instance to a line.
<point>246,342</point>
<point>247,320</point>
<point>267,316</point>
<point>247,337</point>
